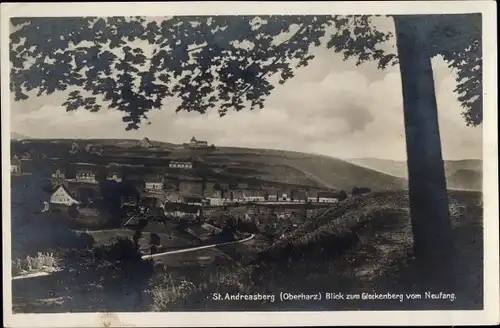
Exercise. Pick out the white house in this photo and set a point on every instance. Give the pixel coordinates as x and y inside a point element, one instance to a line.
<point>216,199</point>
<point>284,197</point>
<point>15,165</point>
<point>86,176</point>
<point>254,195</point>
<point>197,143</point>
<point>182,211</point>
<point>114,176</point>
<point>180,165</point>
<point>312,199</point>
<point>154,183</point>
<point>272,197</point>
<point>327,197</point>
<point>63,196</point>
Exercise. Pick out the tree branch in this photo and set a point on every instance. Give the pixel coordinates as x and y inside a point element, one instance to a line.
<point>266,70</point>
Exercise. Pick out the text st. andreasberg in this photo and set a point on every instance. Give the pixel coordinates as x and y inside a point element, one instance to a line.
<point>283,296</point>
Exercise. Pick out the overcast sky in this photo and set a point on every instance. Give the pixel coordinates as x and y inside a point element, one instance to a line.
<point>330,107</point>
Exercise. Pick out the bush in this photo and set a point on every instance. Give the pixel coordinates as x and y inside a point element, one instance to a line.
<point>42,261</point>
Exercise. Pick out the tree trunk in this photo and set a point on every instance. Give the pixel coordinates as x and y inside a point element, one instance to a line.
<point>428,198</point>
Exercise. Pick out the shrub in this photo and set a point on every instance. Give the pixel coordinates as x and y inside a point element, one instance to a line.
<point>39,262</point>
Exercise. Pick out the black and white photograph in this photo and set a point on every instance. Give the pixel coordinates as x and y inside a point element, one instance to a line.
<point>181,163</point>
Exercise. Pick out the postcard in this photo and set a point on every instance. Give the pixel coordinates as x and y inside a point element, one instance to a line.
<point>249,163</point>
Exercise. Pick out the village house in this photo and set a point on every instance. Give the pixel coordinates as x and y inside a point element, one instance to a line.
<point>180,164</point>
<point>15,165</point>
<point>312,198</point>
<point>145,143</point>
<point>272,197</point>
<point>191,199</point>
<point>327,197</point>
<point>129,200</point>
<point>59,174</point>
<point>58,177</point>
<point>191,185</point>
<point>284,197</point>
<point>154,183</point>
<point>114,176</point>
<point>299,197</point>
<point>146,204</point>
<point>237,196</point>
<point>26,157</point>
<point>254,195</point>
<point>63,196</point>
<point>74,148</point>
<point>216,199</point>
<point>197,143</point>
<point>182,211</point>
<point>85,176</point>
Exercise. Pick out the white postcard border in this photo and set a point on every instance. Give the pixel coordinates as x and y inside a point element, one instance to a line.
<point>490,314</point>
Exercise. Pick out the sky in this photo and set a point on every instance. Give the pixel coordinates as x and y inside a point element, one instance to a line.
<point>331,107</point>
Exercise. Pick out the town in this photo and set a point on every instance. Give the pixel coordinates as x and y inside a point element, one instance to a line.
<point>143,183</point>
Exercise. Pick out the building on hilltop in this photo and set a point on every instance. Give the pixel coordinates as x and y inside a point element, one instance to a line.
<point>198,143</point>
<point>75,148</point>
<point>145,143</point>
<point>180,164</point>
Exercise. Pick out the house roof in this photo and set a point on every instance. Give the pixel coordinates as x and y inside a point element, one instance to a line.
<point>254,193</point>
<point>188,195</point>
<point>15,160</point>
<point>85,171</point>
<point>327,194</point>
<point>172,207</point>
<point>148,201</point>
<point>154,178</point>
<point>237,194</point>
<point>299,195</point>
<point>67,190</point>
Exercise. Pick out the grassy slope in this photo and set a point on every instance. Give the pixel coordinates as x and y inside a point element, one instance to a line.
<point>266,164</point>
<point>364,245</point>
<point>461,174</point>
<point>316,169</point>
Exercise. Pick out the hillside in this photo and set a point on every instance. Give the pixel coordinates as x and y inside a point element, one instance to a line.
<point>274,166</point>
<point>460,174</point>
<point>17,136</point>
<point>295,167</point>
<point>363,245</point>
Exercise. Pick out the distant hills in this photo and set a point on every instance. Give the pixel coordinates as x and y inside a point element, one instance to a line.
<point>307,169</point>
<point>18,136</point>
<point>301,168</point>
<point>460,174</point>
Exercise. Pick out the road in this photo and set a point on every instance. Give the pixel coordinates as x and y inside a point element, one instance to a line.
<point>192,249</point>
